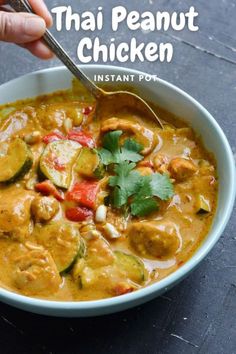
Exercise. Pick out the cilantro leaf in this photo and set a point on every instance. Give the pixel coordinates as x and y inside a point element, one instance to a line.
<point>119,197</point>
<point>161,186</point>
<point>124,182</point>
<point>112,152</point>
<point>143,202</point>
<point>130,151</point>
<point>144,188</point>
<point>99,171</point>
<point>106,156</point>
<point>111,141</point>
<point>143,206</point>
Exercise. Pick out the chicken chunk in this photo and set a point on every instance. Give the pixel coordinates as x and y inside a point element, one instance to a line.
<point>144,171</point>
<point>13,125</point>
<point>44,208</point>
<point>15,218</point>
<point>99,253</point>
<point>158,239</point>
<point>144,136</point>
<point>161,163</point>
<point>181,168</point>
<point>36,273</point>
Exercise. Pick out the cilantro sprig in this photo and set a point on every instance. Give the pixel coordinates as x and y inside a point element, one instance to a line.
<point>139,192</point>
<point>130,190</point>
<point>112,152</point>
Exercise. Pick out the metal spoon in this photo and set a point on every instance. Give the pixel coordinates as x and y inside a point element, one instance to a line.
<point>117,99</point>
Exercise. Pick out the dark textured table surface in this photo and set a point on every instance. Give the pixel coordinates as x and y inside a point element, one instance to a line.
<point>199,315</point>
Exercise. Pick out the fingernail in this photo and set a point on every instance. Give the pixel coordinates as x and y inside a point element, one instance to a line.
<point>34,26</point>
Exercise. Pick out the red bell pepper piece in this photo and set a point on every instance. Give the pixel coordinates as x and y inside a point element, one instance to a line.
<point>123,288</point>
<point>48,188</point>
<point>81,137</point>
<point>54,136</point>
<point>78,214</point>
<point>84,193</point>
<point>87,110</point>
<point>58,166</point>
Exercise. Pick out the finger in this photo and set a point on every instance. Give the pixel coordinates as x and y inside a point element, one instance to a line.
<point>39,49</point>
<point>21,27</point>
<point>5,8</point>
<point>41,9</point>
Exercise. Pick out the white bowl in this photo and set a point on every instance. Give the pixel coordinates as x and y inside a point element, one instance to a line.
<point>174,100</point>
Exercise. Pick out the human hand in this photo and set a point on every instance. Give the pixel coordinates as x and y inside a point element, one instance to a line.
<point>26,29</point>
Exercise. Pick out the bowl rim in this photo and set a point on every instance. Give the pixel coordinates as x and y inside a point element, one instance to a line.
<point>21,301</point>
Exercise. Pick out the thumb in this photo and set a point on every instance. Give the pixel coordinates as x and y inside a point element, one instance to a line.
<point>20,28</point>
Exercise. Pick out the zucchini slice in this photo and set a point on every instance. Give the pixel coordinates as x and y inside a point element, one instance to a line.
<point>64,243</point>
<point>131,265</point>
<point>57,161</point>
<point>87,162</point>
<point>5,112</point>
<point>15,161</point>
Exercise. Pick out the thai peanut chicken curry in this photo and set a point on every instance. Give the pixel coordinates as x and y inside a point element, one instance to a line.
<point>94,208</point>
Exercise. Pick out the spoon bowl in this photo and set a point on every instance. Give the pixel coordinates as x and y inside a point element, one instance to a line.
<point>123,100</point>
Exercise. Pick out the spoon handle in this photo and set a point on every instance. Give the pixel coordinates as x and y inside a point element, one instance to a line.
<point>56,48</point>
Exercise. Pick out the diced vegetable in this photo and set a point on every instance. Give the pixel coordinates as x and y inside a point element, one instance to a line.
<point>15,162</point>
<point>5,112</point>
<point>78,117</point>
<point>78,214</point>
<point>84,193</point>
<point>82,249</point>
<point>202,204</point>
<point>87,162</point>
<point>85,139</point>
<point>63,241</point>
<point>57,161</point>
<point>123,288</point>
<point>48,188</point>
<point>87,110</point>
<point>54,136</point>
<point>132,266</point>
